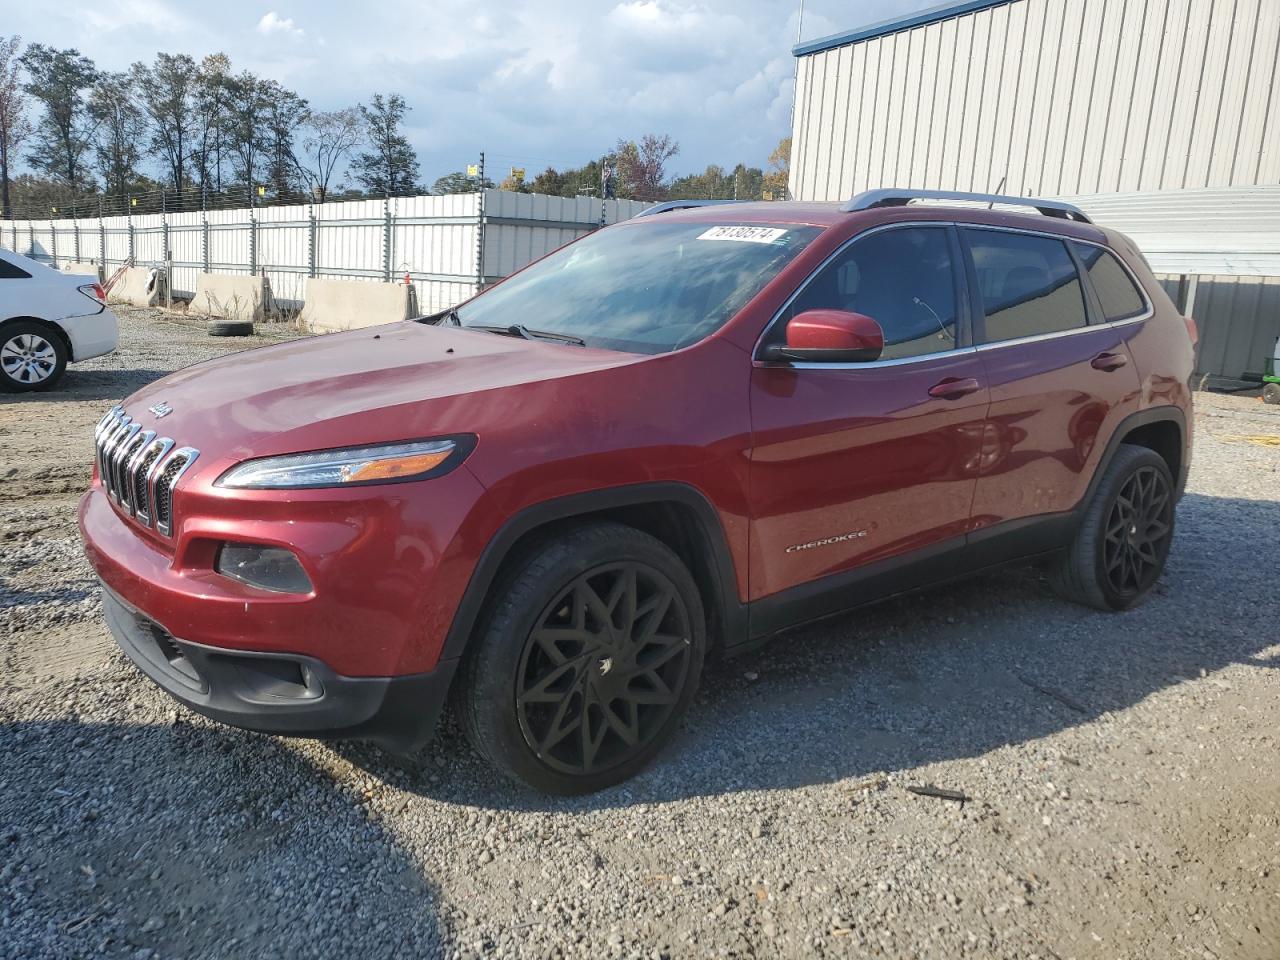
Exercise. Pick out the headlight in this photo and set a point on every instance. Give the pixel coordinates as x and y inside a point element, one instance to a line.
<point>350,466</point>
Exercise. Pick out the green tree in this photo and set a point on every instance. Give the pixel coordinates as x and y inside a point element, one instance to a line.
<point>775,181</point>
<point>283,113</point>
<point>246,101</point>
<point>748,182</point>
<point>168,90</point>
<point>120,127</point>
<point>389,167</point>
<point>459,182</point>
<point>14,126</point>
<point>60,81</point>
<point>582,182</point>
<point>550,182</point>
<point>211,118</point>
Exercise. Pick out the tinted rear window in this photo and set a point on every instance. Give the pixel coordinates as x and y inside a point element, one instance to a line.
<point>1115,288</point>
<point>1029,284</point>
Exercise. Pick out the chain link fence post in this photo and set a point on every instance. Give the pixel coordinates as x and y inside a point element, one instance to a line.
<point>386,239</point>
<point>102,243</point>
<point>253,244</point>
<point>75,227</point>
<point>166,252</point>
<point>53,241</point>
<point>129,215</point>
<point>312,230</point>
<point>480,229</point>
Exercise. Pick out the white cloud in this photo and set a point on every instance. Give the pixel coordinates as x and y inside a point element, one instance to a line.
<point>272,22</point>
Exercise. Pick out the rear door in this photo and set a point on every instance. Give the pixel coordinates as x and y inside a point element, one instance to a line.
<point>854,463</point>
<point>1061,377</point>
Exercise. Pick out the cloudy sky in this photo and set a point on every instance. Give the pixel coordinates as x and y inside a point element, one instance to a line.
<point>531,84</point>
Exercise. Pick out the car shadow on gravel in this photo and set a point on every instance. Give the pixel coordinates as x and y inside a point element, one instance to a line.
<point>952,673</point>
<point>78,386</point>
<point>193,842</point>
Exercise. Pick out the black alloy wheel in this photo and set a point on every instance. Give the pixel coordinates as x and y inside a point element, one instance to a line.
<point>604,668</point>
<point>585,660</point>
<point>1138,532</point>
<point>1125,534</point>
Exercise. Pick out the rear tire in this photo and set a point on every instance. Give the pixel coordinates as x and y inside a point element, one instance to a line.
<point>1120,550</point>
<point>587,660</point>
<point>33,357</point>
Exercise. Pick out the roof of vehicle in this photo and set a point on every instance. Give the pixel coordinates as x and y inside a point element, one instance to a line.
<point>833,213</point>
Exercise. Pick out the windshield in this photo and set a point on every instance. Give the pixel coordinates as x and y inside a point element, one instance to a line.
<point>647,288</point>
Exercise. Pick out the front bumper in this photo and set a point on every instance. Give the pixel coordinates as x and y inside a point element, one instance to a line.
<point>287,694</point>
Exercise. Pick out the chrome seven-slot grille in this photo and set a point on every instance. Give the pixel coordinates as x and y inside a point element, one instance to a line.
<point>139,469</point>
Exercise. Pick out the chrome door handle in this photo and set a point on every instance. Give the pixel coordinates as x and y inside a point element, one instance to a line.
<point>953,388</point>
<point>1108,361</point>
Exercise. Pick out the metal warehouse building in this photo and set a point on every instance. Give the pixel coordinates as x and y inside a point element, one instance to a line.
<point>1160,117</point>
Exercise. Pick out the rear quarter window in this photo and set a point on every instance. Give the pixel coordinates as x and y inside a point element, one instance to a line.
<point>10,272</point>
<point>1116,291</point>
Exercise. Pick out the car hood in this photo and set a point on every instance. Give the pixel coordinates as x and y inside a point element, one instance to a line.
<point>393,382</point>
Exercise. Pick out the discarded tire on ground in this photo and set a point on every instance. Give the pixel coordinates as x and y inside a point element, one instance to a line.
<point>230,328</point>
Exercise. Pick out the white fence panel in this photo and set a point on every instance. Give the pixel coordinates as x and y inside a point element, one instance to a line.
<point>433,241</point>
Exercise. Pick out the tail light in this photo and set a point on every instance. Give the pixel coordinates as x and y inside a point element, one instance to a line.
<point>1192,332</point>
<point>95,292</point>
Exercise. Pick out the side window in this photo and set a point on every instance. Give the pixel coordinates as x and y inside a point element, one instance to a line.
<point>1029,284</point>
<point>904,279</point>
<point>10,272</point>
<point>1115,288</point>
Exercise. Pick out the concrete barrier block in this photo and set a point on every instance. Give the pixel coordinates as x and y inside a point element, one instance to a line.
<point>229,296</point>
<point>330,305</point>
<point>82,268</point>
<point>138,287</point>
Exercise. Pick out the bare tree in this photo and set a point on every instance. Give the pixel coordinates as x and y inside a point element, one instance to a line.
<point>14,125</point>
<point>330,138</point>
<point>642,167</point>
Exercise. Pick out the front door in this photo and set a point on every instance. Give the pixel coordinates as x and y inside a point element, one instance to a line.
<point>854,463</point>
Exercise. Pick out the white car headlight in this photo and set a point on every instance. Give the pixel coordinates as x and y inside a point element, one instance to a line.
<point>350,466</point>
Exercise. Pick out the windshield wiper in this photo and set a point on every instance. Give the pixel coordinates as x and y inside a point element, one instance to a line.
<point>520,330</point>
<point>446,318</point>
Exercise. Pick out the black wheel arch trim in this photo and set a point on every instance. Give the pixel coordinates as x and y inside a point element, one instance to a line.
<point>1165,413</point>
<point>730,611</point>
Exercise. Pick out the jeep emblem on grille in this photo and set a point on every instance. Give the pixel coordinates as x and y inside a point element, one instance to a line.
<point>161,410</point>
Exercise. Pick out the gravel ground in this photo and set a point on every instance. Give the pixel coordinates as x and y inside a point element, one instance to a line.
<point>1125,794</point>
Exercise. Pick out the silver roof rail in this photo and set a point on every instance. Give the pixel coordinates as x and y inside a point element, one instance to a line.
<point>682,205</point>
<point>897,197</point>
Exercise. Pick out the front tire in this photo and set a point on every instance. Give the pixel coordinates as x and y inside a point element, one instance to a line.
<point>32,357</point>
<point>1121,547</point>
<point>588,659</point>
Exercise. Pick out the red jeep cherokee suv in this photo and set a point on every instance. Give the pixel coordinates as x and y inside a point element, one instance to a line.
<point>684,432</point>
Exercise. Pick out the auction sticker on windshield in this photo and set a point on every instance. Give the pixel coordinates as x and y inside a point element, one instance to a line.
<point>744,234</point>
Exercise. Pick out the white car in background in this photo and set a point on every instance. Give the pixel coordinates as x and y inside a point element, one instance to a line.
<point>47,320</point>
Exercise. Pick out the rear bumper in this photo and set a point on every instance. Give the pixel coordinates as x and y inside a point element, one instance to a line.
<point>288,694</point>
<point>91,335</point>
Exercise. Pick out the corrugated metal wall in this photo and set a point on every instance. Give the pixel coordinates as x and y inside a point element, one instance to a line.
<point>1047,97</point>
<point>434,240</point>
